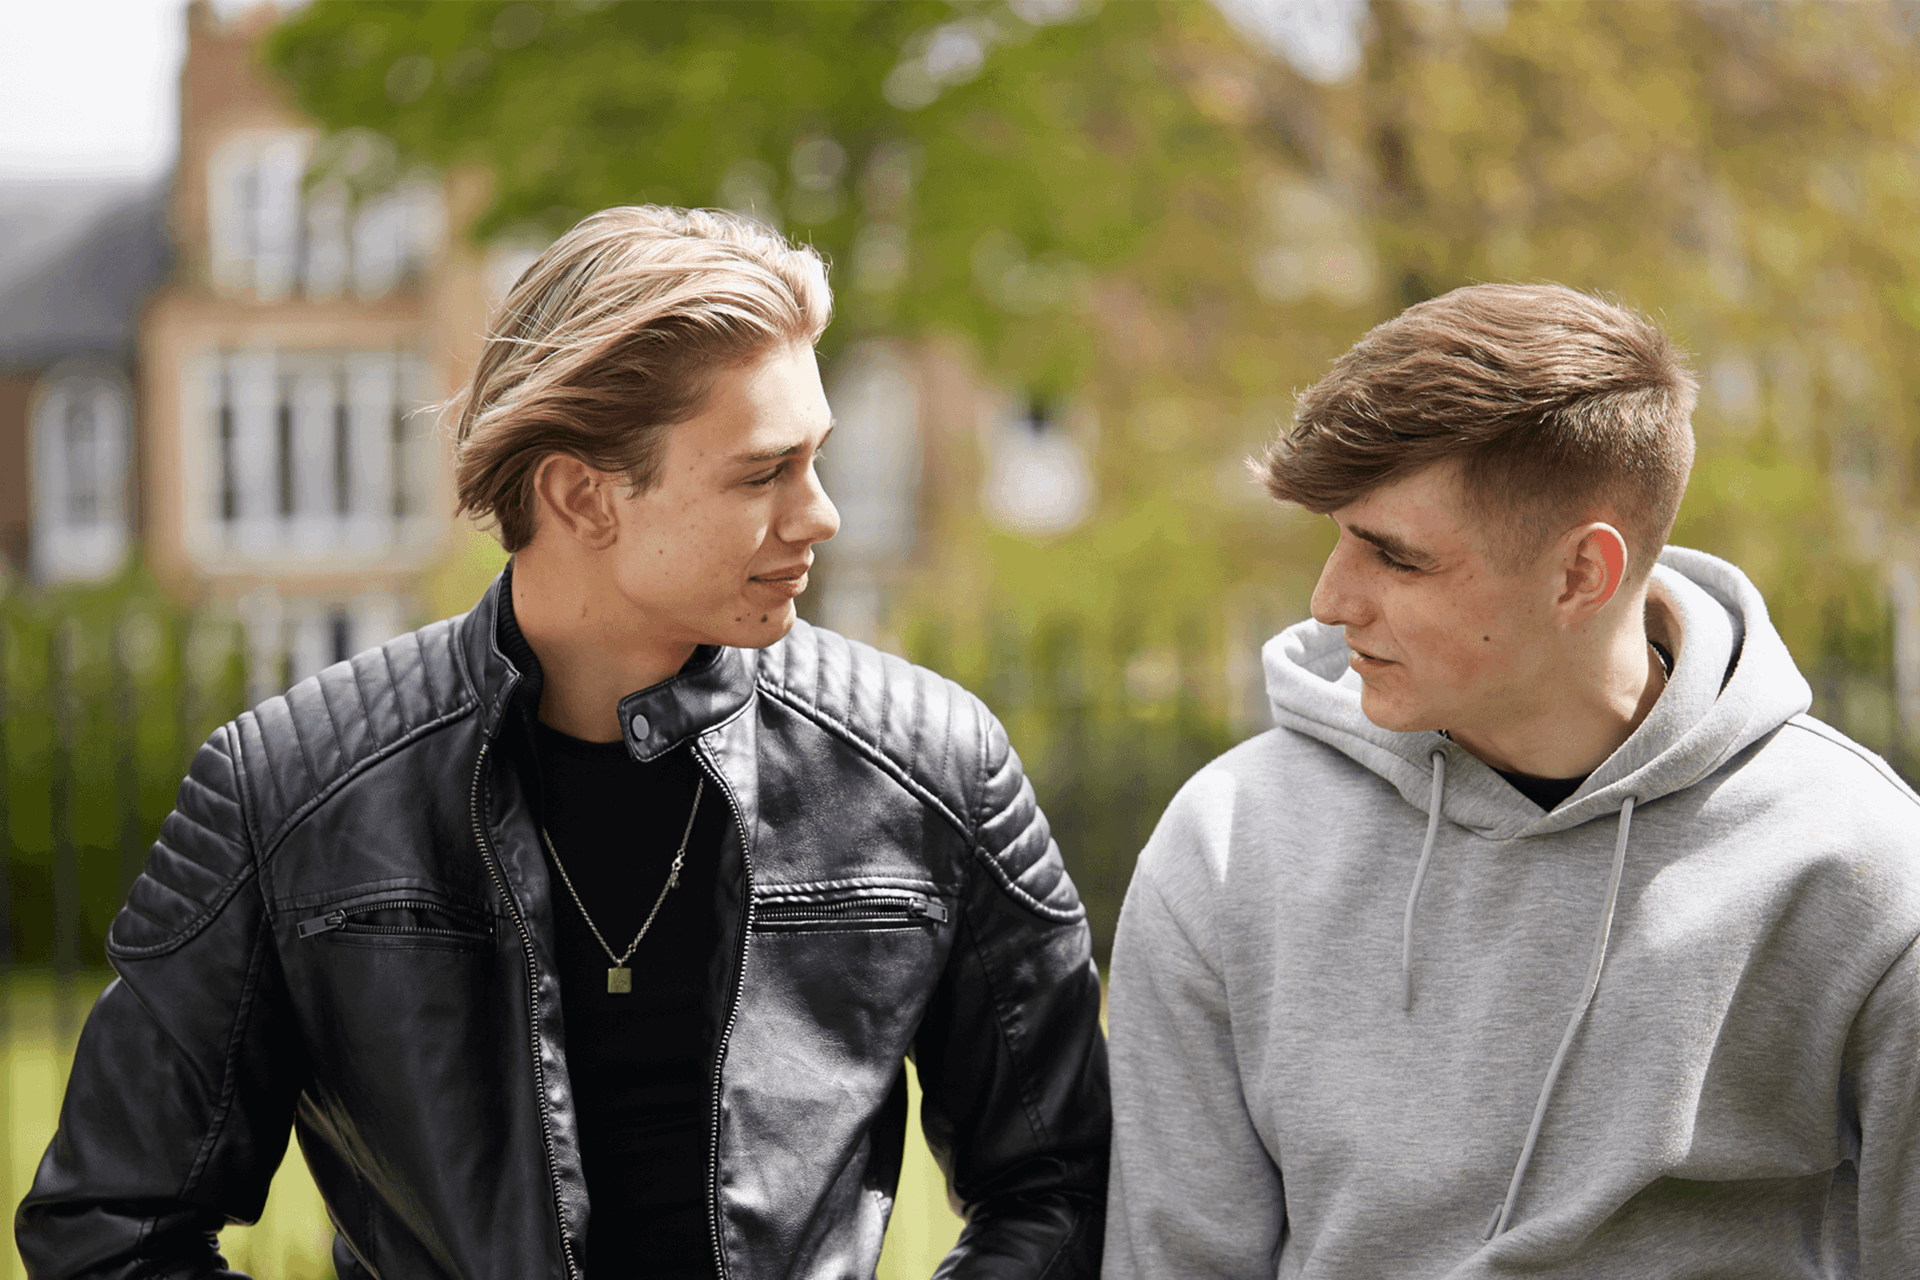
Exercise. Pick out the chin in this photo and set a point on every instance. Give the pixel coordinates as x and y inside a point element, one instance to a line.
<point>751,633</point>
<point>1395,719</point>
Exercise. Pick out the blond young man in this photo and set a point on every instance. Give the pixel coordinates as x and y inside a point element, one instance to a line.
<point>1545,934</point>
<point>587,934</point>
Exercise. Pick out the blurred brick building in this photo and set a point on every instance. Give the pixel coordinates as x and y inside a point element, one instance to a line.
<point>238,377</point>
<point>79,264</point>
<point>289,462</point>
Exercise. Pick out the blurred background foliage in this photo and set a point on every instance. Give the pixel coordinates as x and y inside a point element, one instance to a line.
<point>969,168</point>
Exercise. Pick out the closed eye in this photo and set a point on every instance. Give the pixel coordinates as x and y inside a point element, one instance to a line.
<point>766,478</point>
<point>1398,566</point>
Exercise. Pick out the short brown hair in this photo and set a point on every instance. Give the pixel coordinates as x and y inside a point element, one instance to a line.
<point>614,334</point>
<point>1557,406</point>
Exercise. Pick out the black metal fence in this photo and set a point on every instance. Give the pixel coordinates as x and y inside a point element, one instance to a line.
<point>104,696</point>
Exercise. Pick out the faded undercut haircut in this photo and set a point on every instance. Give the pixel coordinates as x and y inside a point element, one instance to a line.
<point>614,334</point>
<point>1558,407</point>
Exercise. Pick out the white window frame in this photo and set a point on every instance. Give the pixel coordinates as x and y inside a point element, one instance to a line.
<point>66,548</point>
<point>288,412</point>
<point>270,236</point>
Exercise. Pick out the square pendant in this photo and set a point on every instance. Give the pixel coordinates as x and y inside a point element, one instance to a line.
<point>619,982</point>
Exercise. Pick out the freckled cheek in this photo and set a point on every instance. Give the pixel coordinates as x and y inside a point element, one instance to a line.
<point>1453,649</point>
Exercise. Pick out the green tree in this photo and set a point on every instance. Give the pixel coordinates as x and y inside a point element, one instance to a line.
<point>968,168</point>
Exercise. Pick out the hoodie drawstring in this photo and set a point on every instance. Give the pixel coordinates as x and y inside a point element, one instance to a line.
<point>1439,759</point>
<point>1504,1214</point>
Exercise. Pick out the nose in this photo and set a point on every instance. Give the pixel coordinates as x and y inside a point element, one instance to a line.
<point>812,517</point>
<point>1336,599</point>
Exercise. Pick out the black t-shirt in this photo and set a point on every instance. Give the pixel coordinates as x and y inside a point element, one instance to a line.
<point>1545,792</point>
<point>639,1062</point>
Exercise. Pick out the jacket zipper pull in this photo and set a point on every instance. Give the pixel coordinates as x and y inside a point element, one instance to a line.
<point>322,924</point>
<point>927,908</point>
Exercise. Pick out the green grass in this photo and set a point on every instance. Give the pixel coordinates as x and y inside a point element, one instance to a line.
<point>292,1239</point>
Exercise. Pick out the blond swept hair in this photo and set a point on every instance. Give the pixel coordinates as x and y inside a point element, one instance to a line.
<point>1558,407</point>
<point>612,336</point>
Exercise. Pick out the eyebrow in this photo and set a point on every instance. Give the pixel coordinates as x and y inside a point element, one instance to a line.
<point>774,455</point>
<point>1398,548</point>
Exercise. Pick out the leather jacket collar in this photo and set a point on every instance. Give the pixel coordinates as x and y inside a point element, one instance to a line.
<point>714,686</point>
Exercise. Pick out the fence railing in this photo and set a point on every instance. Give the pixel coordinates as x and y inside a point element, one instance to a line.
<point>105,694</point>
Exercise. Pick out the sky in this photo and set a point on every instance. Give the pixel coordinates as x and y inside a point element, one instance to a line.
<point>88,88</point>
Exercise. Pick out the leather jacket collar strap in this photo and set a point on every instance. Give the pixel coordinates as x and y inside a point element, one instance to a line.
<point>496,680</point>
<point>713,687</point>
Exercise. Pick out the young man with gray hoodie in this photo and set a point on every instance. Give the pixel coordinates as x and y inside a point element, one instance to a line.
<point>1545,934</point>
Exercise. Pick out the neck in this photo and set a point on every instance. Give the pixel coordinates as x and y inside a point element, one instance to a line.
<point>592,650</point>
<point>1595,706</point>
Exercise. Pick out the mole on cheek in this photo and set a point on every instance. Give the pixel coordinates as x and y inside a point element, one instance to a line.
<point>1486,639</point>
<point>763,617</point>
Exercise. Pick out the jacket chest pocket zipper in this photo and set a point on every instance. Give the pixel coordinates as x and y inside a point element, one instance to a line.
<point>400,918</point>
<point>867,912</point>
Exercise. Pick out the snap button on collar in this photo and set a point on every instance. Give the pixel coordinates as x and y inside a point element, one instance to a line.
<point>639,727</point>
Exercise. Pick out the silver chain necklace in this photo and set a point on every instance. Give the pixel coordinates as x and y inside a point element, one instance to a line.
<point>619,977</point>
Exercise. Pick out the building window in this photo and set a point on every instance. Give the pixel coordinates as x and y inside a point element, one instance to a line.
<point>273,235</point>
<point>315,455</point>
<point>80,448</point>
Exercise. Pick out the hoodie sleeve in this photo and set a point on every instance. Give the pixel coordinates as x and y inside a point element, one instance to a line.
<point>1883,1068</point>
<point>1194,1191</point>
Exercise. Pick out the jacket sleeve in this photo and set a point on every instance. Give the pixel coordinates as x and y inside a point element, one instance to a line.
<point>179,1102</point>
<point>1195,1191</point>
<point>1882,1075</point>
<point>1011,1059</point>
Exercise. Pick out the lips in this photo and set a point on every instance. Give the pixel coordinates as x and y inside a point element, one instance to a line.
<point>1361,658</point>
<point>790,581</point>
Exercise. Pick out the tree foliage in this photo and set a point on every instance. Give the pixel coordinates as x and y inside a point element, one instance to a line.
<point>966,167</point>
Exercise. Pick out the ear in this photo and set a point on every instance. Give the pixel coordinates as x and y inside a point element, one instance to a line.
<point>1593,559</point>
<point>576,499</point>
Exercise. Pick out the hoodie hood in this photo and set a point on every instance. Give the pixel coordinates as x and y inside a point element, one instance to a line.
<point>1733,682</point>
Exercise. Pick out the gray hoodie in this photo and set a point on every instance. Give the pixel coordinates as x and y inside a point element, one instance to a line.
<point>1375,1014</point>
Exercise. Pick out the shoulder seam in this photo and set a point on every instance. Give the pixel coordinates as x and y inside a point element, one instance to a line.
<point>921,792</point>
<point>841,729</point>
<point>271,844</point>
<point>1834,738</point>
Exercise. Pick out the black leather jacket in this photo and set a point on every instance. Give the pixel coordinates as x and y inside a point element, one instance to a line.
<point>893,891</point>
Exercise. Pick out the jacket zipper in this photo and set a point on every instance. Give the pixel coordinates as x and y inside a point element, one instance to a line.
<point>533,996</point>
<point>342,919</point>
<point>733,1011</point>
<point>897,910</point>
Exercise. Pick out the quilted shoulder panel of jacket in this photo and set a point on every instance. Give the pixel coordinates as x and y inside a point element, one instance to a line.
<point>939,741</point>
<point>258,775</point>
